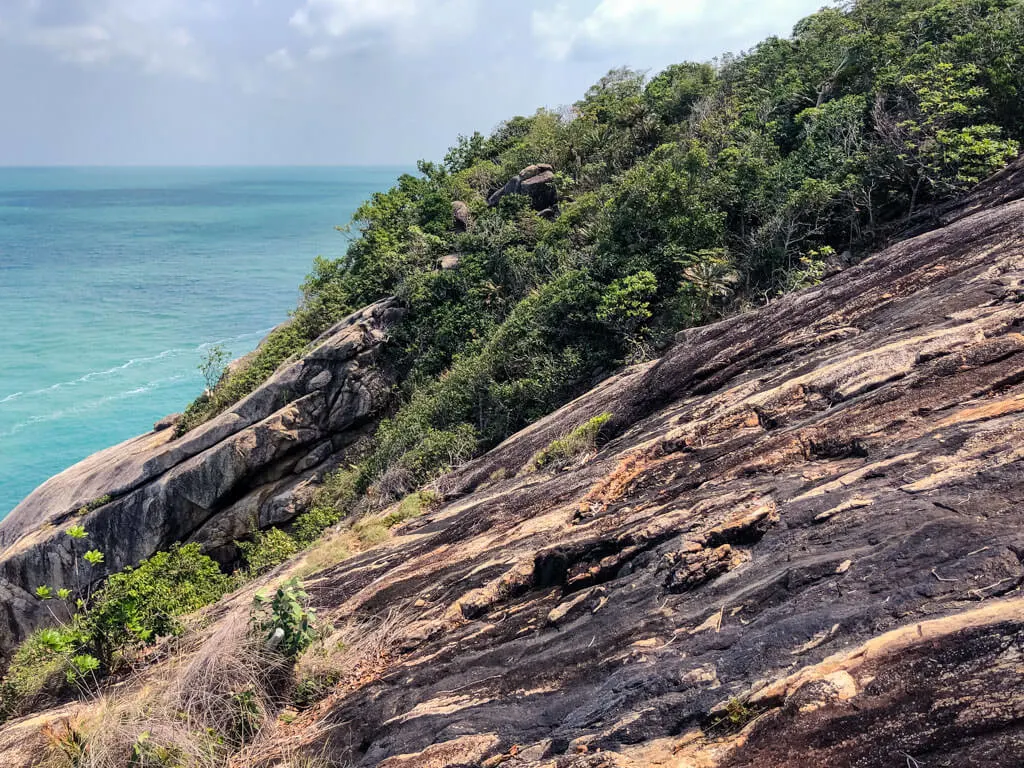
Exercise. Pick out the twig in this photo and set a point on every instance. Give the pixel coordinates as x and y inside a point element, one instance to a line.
<point>936,575</point>
<point>911,762</point>
<point>981,590</point>
<point>977,551</point>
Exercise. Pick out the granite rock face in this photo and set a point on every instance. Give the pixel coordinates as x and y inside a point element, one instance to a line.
<point>536,182</point>
<point>209,485</point>
<point>801,545</point>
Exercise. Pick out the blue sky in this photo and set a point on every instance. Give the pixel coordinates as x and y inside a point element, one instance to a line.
<point>94,82</point>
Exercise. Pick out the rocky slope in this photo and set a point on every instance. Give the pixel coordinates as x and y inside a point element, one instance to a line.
<point>801,547</point>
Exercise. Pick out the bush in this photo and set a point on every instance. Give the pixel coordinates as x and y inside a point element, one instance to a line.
<point>580,441</point>
<point>285,620</point>
<point>140,604</point>
<point>267,550</point>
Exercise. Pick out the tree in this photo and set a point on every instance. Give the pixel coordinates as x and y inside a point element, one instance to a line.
<point>212,365</point>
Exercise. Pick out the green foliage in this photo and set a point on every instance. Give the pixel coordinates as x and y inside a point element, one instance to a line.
<point>414,505</point>
<point>288,625</point>
<point>582,440</point>
<point>267,550</point>
<point>139,604</point>
<point>627,302</point>
<point>81,666</point>
<point>37,666</point>
<point>212,365</point>
<point>77,532</point>
<point>702,190</point>
<point>93,557</point>
<point>43,592</point>
<point>95,504</point>
<point>148,754</point>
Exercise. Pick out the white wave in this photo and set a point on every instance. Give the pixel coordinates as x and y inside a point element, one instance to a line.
<point>90,405</point>
<point>135,361</point>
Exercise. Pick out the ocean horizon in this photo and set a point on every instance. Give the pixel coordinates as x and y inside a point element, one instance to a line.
<point>114,280</point>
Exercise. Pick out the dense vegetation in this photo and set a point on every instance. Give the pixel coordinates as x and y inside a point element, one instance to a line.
<point>705,189</point>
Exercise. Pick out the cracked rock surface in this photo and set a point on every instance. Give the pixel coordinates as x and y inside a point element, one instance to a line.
<point>247,464</point>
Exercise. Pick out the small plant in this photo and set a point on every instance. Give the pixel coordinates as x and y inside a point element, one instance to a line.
<point>213,365</point>
<point>309,690</point>
<point>412,506</point>
<point>580,441</point>
<point>288,625</point>
<point>247,716</point>
<point>43,592</point>
<point>93,557</point>
<point>267,550</point>
<point>734,717</point>
<point>93,505</point>
<point>77,531</point>
<point>81,666</point>
<point>147,754</point>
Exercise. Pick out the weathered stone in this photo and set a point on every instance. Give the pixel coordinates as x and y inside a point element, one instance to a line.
<point>167,422</point>
<point>462,216</point>
<point>208,485</point>
<point>536,182</point>
<point>450,262</point>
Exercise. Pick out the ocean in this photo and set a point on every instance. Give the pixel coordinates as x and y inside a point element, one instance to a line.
<point>114,281</point>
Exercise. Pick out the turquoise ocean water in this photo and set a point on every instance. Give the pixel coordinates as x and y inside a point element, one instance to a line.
<point>114,281</point>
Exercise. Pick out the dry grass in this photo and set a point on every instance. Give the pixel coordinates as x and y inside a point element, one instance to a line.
<point>191,711</point>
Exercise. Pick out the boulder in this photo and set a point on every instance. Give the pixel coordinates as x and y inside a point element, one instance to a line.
<point>167,422</point>
<point>462,216</point>
<point>208,485</point>
<point>450,261</point>
<point>536,182</point>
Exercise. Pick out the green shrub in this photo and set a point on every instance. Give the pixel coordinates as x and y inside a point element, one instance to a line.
<point>267,550</point>
<point>333,500</point>
<point>285,620</point>
<point>581,440</point>
<point>412,506</point>
<point>140,604</point>
<point>37,668</point>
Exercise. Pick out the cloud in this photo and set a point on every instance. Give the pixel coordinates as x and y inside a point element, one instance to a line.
<point>281,59</point>
<point>414,25</point>
<point>564,31</point>
<point>152,35</point>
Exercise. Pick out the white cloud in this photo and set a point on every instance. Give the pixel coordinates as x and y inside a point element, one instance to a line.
<point>567,29</point>
<point>415,25</point>
<point>614,24</point>
<point>281,59</point>
<point>152,35</point>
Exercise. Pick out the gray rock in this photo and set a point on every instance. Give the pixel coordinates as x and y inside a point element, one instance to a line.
<point>209,485</point>
<point>462,216</point>
<point>536,182</point>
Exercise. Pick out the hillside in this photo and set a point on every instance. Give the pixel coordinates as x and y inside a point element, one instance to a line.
<point>679,428</point>
<point>801,547</point>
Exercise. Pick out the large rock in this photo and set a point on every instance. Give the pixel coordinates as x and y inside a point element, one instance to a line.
<point>801,546</point>
<point>536,182</point>
<point>209,485</point>
<point>462,216</point>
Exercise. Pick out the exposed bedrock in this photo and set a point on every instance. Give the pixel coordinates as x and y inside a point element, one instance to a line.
<point>211,484</point>
<point>802,547</point>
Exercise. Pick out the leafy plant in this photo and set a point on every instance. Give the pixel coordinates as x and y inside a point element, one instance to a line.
<point>93,557</point>
<point>288,625</point>
<point>267,550</point>
<point>212,365</point>
<point>581,440</point>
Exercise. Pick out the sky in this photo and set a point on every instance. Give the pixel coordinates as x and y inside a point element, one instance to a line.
<point>324,82</point>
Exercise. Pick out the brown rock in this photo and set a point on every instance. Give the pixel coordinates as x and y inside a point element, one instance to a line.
<point>462,216</point>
